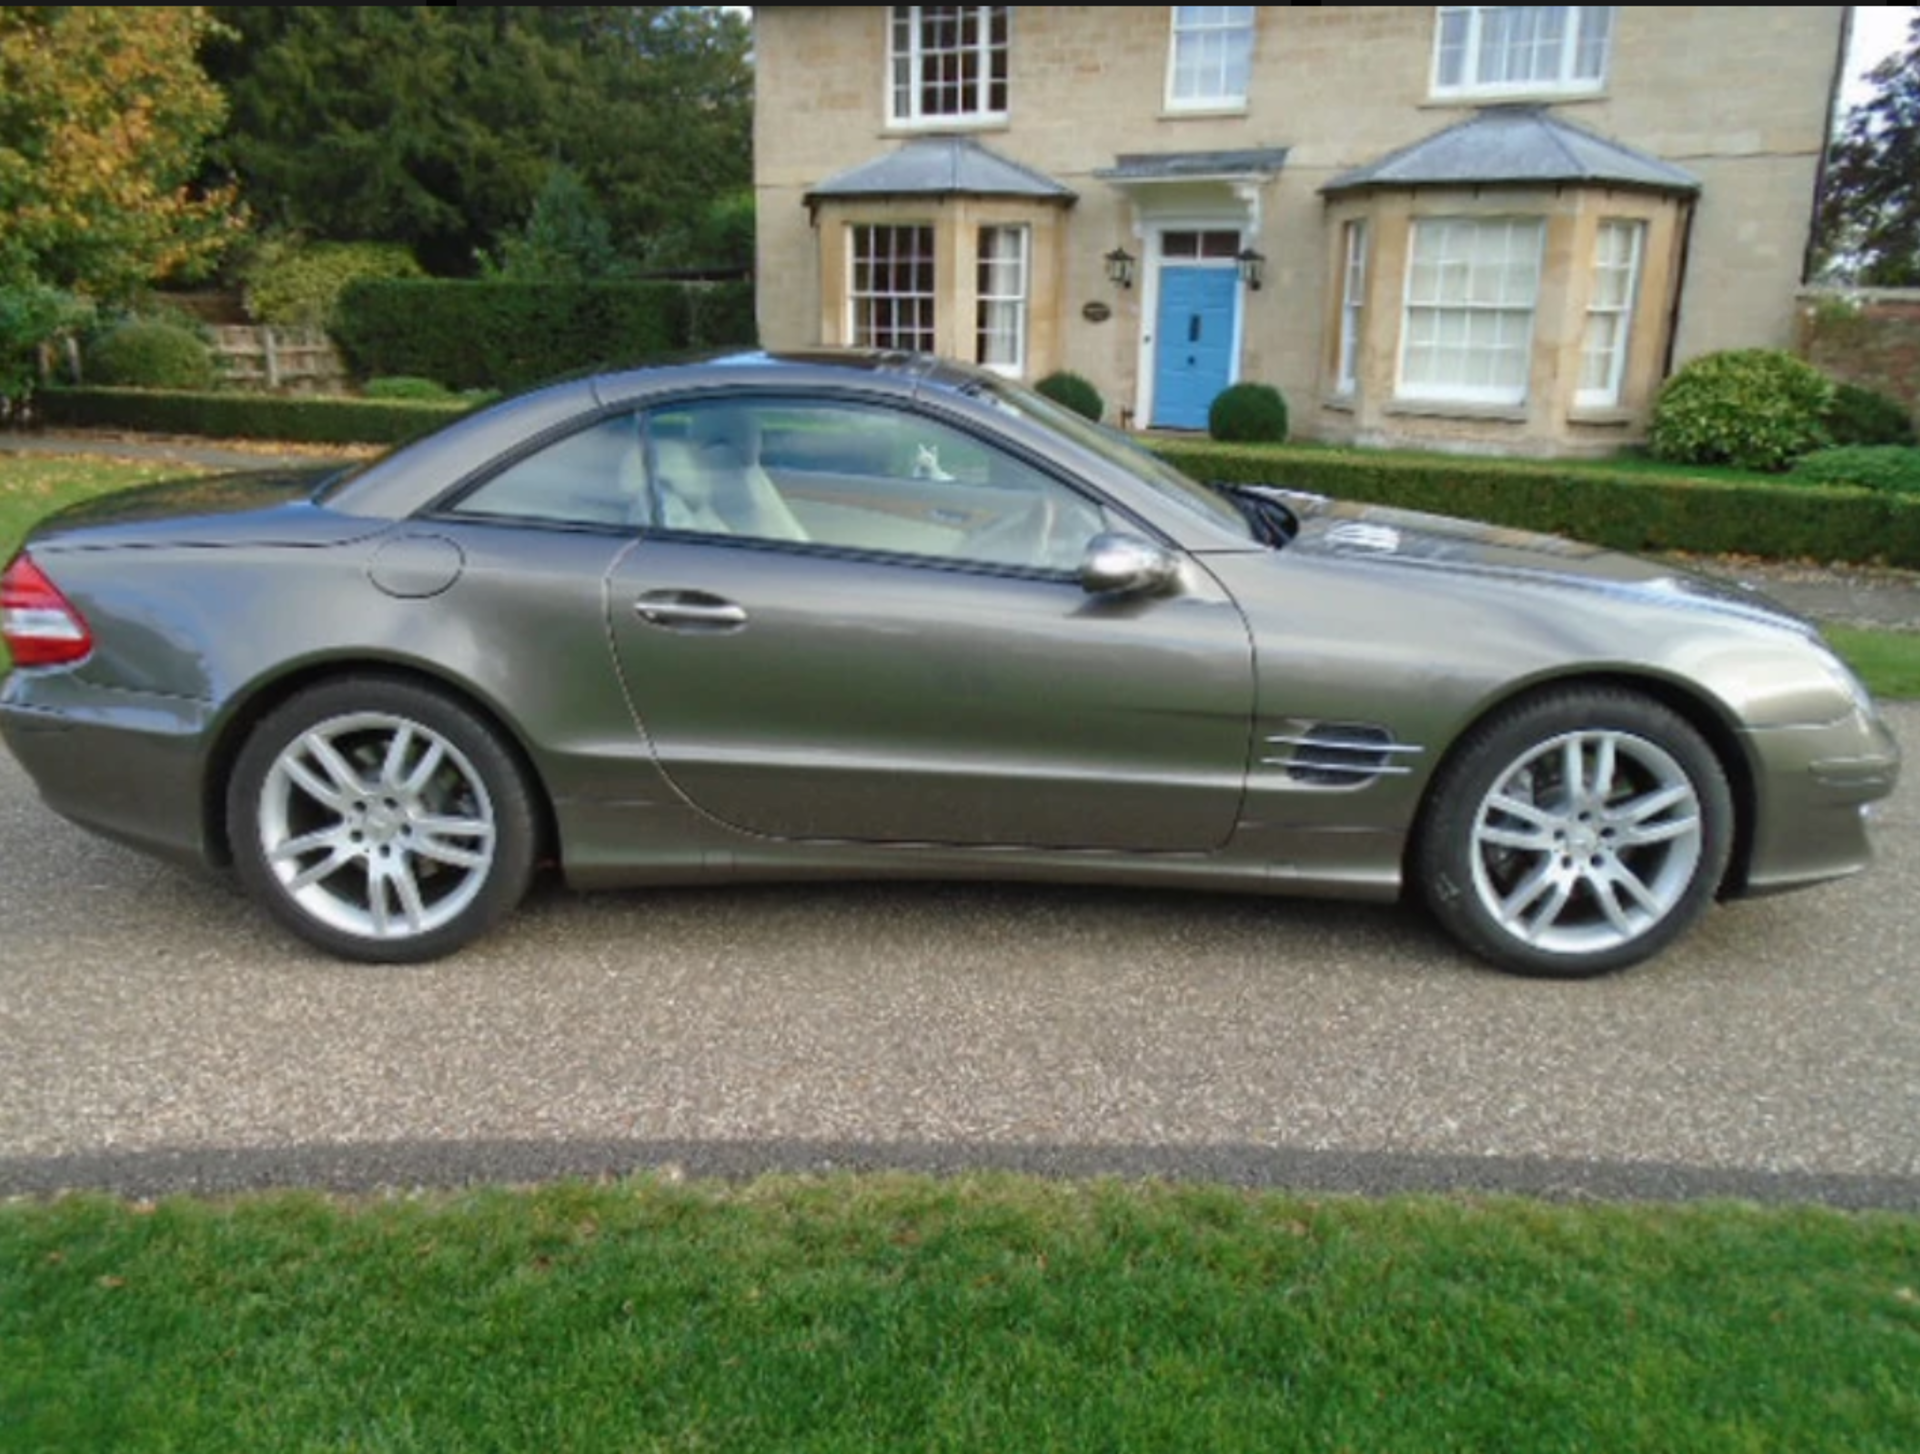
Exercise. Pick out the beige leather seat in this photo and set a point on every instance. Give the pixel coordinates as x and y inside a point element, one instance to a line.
<point>714,483</point>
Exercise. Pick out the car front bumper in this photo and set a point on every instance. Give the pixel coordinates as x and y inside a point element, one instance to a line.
<point>1814,789</point>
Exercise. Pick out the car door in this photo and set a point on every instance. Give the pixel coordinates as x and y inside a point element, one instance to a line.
<point>866,625</point>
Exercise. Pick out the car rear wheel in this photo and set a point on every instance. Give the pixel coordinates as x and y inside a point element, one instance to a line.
<point>1576,833</point>
<point>381,820</point>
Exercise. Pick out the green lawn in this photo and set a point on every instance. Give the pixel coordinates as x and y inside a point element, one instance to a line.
<point>989,1313</point>
<point>35,485</point>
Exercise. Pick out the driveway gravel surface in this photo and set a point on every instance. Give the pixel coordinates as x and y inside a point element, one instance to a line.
<point>158,1034</point>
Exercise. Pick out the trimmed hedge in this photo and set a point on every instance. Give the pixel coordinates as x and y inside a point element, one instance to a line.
<point>1627,511</point>
<point>1890,467</point>
<point>248,416</point>
<point>486,335</point>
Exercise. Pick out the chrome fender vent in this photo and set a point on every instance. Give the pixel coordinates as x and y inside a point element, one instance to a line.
<point>1340,754</point>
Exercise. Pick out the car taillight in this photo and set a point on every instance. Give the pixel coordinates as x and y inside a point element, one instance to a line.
<point>39,625</point>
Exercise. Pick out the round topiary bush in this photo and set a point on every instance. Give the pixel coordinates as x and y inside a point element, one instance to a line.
<point>145,353</point>
<point>1073,392</point>
<point>404,386</point>
<point>1862,416</point>
<point>1248,414</point>
<point>1890,467</point>
<point>1755,408</point>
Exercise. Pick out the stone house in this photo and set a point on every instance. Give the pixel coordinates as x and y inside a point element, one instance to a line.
<point>1491,228</point>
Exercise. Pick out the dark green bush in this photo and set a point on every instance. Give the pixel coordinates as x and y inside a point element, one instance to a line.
<point>1755,408</point>
<point>1627,511</point>
<point>145,353</point>
<point>510,335</point>
<point>1070,391</point>
<point>1861,416</point>
<point>1889,467</point>
<point>405,386</point>
<point>1248,414</point>
<point>293,284</point>
<point>248,416</point>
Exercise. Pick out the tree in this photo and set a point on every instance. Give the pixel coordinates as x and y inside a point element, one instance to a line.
<point>1869,224</point>
<point>436,126</point>
<point>566,239</point>
<point>103,113</point>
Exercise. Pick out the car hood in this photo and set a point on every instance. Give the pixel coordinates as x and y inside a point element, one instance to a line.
<point>1413,540</point>
<point>259,507</point>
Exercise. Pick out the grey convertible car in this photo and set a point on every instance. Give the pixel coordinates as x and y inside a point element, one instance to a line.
<point>847,615</point>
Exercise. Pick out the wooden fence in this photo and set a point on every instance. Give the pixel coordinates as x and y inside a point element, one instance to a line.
<point>290,360</point>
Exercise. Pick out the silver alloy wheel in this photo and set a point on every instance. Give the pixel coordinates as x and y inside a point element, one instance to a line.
<point>1586,841</point>
<point>377,826</point>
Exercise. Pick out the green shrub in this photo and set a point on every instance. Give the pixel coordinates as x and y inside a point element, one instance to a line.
<point>1248,414</point>
<point>1627,511</point>
<point>1861,416</point>
<point>1070,391</point>
<point>405,386</point>
<point>31,315</point>
<point>292,284</point>
<point>1890,467</point>
<point>1757,408</point>
<point>236,415</point>
<point>509,335</point>
<point>146,353</point>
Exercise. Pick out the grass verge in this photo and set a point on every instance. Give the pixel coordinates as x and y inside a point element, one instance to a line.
<point>980,1313</point>
<point>1887,661</point>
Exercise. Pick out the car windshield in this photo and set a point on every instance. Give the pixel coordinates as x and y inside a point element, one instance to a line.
<point>1215,503</point>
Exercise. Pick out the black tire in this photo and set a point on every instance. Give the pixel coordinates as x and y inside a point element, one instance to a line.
<point>381,820</point>
<point>1545,873</point>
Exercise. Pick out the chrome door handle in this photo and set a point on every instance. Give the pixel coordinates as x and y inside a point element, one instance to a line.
<point>676,608</point>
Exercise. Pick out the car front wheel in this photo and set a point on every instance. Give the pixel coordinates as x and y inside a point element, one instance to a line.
<point>1576,833</point>
<point>380,820</point>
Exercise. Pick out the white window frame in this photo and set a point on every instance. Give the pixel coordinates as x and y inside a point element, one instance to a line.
<point>869,336</point>
<point>908,57</point>
<point>1236,26</point>
<point>1013,304</point>
<point>1455,392</point>
<point>1353,303</point>
<point>1607,395</point>
<point>1582,27</point>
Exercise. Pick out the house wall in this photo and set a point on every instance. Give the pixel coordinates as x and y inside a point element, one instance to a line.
<point>1739,96</point>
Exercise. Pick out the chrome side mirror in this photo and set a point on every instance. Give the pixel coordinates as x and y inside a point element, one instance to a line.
<point>1117,564</point>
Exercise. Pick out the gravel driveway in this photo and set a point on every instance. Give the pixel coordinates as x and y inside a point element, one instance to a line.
<point>156,1033</point>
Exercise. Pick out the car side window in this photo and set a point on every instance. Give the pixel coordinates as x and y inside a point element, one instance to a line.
<point>861,477</point>
<point>595,476</point>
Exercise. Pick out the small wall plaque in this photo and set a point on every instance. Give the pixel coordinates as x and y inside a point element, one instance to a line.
<point>1096,312</point>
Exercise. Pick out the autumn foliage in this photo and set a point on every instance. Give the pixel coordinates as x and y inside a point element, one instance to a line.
<point>104,113</point>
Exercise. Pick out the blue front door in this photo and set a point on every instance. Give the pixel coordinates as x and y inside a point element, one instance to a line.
<point>1193,349</point>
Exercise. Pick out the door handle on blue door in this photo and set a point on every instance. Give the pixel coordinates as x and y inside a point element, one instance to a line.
<point>689,608</point>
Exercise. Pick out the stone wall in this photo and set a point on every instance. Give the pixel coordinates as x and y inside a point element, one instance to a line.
<point>1865,336</point>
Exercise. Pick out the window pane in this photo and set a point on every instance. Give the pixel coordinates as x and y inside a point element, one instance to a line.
<point>1521,47</point>
<point>1471,287</point>
<point>1002,298</point>
<point>1212,54</point>
<point>596,477</point>
<point>892,292</point>
<point>949,61</point>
